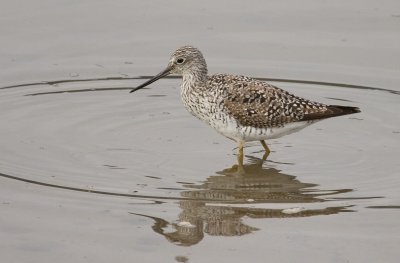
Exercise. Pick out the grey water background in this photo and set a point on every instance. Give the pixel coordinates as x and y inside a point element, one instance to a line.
<point>104,175</point>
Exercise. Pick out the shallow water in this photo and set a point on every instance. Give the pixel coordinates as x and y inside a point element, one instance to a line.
<point>89,172</point>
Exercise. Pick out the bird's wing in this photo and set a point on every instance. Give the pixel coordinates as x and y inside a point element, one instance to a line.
<point>258,104</point>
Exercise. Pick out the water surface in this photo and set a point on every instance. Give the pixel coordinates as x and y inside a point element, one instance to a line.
<point>89,172</point>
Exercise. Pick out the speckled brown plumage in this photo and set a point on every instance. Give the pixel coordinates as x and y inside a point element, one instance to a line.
<point>261,105</point>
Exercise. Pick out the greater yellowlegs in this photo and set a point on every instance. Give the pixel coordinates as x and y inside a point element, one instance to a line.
<point>242,108</point>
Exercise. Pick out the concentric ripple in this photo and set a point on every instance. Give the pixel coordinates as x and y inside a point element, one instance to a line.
<point>93,136</point>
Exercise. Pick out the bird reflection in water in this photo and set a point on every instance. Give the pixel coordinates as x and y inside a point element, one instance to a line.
<point>218,205</point>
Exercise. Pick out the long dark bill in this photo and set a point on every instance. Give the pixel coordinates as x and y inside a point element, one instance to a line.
<point>155,78</point>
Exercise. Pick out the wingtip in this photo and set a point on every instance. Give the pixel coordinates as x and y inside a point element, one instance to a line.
<point>339,110</point>
<point>333,111</point>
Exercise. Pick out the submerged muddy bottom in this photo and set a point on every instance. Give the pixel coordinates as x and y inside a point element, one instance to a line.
<point>88,167</point>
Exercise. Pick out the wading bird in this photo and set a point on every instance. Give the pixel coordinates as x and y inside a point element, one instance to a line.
<point>242,108</point>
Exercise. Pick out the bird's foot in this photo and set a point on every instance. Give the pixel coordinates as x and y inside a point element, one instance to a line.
<point>236,170</point>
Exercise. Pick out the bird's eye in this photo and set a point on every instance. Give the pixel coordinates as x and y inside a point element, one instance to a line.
<point>180,61</point>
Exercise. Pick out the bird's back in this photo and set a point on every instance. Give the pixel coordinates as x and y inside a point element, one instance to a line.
<point>258,104</point>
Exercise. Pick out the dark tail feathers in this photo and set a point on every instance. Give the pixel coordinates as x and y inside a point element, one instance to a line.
<point>338,110</point>
<point>333,111</point>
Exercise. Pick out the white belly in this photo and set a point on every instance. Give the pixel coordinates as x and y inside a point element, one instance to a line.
<point>237,132</point>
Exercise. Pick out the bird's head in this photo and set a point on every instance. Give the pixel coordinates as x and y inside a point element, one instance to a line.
<point>186,60</point>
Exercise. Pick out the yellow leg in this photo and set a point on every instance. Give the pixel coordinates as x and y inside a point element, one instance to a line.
<point>267,150</point>
<point>240,157</point>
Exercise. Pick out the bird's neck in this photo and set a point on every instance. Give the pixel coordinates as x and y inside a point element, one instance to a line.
<point>193,92</point>
<point>193,86</point>
<point>194,79</point>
